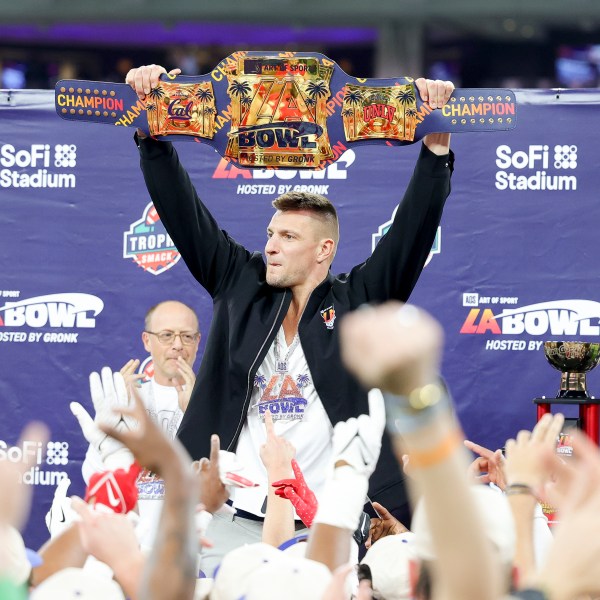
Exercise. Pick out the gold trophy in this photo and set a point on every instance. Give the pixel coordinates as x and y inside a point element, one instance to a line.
<point>573,360</point>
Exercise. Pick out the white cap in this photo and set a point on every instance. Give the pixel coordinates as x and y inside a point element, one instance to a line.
<point>495,516</point>
<point>237,566</point>
<point>77,584</point>
<point>388,558</point>
<point>290,577</point>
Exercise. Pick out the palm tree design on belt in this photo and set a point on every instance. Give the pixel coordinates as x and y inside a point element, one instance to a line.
<point>353,97</point>
<point>317,90</point>
<point>157,94</point>
<point>411,117</point>
<point>152,117</point>
<point>246,101</point>
<point>207,111</point>
<point>311,103</point>
<point>204,96</point>
<point>406,97</point>
<point>347,114</point>
<point>239,89</point>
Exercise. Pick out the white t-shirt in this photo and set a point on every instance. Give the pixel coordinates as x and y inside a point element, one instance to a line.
<point>162,405</point>
<point>298,416</point>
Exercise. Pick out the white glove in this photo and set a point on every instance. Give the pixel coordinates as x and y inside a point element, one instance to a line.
<point>61,515</point>
<point>108,396</point>
<point>357,441</point>
<point>231,471</point>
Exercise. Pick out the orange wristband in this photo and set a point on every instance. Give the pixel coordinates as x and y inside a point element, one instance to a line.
<point>428,458</point>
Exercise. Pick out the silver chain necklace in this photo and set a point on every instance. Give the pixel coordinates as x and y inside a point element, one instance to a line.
<point>282,365</point>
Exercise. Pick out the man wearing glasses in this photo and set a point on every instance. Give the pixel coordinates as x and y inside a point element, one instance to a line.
<point>171,337</point>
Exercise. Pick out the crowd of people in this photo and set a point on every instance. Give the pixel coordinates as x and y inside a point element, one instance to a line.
<point>317,452</point>
<point>477,531</point>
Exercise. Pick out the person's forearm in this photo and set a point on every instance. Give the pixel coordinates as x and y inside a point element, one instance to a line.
<point>439,473</point>
<point>279,523</point>
<point>128,573</point>
<point>522,507</point>
<point>329,545</point>
<point>170,571</point>
<point>438,143</point>
<point>61,552</point>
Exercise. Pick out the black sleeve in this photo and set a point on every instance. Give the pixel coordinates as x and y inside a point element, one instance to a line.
<point>210,254</point>
<point>393,269</point>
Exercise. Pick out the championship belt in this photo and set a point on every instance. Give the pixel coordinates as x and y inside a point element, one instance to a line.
<point>283,109</point>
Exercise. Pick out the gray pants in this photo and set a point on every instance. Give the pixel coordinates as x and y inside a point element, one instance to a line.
<point>227,532</point>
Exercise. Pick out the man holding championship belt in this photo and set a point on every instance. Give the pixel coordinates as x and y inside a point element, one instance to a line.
<point>273,343</point>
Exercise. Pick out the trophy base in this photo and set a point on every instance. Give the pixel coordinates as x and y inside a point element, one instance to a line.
<point>573,385</point>
<point>574,394</point>
<point>589,413</point>
<point>551,401</point>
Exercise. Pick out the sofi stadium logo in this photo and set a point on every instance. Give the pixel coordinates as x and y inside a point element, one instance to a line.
<point>270,181</point>
<point>556,319</point>
<point>56,455</point>
<point>38,166</point>
<point>536,167</point>
<point>436,248</point>
<point>54,311</point>
<point>149,245</point>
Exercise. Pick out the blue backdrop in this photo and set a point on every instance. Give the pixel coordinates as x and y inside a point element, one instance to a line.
<point>515,262</point>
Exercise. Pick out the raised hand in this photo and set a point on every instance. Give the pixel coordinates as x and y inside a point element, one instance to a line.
<point>213,492</point>
<point>143,79</point>
<point>434,91</point>
<point>488,467</point>
<point>525,455</point>
<point>276,453</point>
<point>383,525</point>
<point>110,400</point>
<point>299,494</point>
<point>60,516</point>
<point>184,384</point>
<point>130,374</point>
<point>394,347</point>
<point>357,441</point>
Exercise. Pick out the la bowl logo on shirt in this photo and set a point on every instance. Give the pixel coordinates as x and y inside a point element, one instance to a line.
<point>436,248</point>
<point>149,245</point>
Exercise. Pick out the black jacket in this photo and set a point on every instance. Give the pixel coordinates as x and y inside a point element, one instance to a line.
<point>248,312</point>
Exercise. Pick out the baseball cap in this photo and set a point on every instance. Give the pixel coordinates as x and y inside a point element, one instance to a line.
<point>77,584</point>
<point>495,515</point>
<point>231,576</point>
<point>295,546</point>
<point>388,559</point>
<point>289,577</point>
